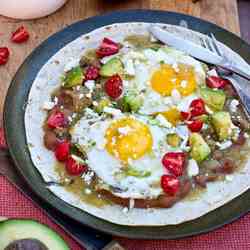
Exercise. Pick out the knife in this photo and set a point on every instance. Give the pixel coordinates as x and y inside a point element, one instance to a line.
<point>186,46</point>
<point>87,237</point>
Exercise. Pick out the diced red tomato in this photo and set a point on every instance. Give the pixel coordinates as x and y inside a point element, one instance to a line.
<point>185,115</point>
<point>107,48</point>
<point>20,35</point>
<point>4,55</point>
<point>170,184</point>
<point>216,82</point>
<point>62,151</point>
<point>57,119</point>
<point>74,167</point>
<point>174,162</point>
<point>195,126</point>
<point>91,73</point>
<point>113,86</point>
<point>197,107</point>
<point>3,144</point>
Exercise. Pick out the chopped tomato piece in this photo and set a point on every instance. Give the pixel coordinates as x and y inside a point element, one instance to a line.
<point>174,162</point>
<point>62,151</point>
<point>185,115</point>
<point>20,35</point>
<point>4,55</point>
<point>57,119</point>
<point>91,73</point>
<point>197,107</point>
<point>216,82</point>
<point>170,184</point>
<point>113,86</point>
<point>107,48</point>
<point>195,126</point>
<point>74,167</point>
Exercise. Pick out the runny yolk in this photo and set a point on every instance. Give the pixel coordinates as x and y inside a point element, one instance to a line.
<point>128,138</point>
<point>167,78</point>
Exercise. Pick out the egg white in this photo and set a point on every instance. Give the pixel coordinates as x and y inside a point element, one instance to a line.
<point>107,167</point>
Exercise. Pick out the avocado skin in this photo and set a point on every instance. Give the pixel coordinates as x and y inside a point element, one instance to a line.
<point>20,229</point>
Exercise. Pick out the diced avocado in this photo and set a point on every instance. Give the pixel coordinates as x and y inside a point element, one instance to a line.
<point>173,140</point>
<point>102,104</point>
<point>131,102</point>
<point>214,98</point>
<point>29,234</point>
<point>223,125</point>
<point>112,67</point>
<point>199,148</point>
<point>73,78</point>
<point>130,171</point>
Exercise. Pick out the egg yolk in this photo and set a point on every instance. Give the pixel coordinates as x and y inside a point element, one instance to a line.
<point>128,138</point>
<point>167,78</point>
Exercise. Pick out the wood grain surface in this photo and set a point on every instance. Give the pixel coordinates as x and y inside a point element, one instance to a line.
<point>221,12</point>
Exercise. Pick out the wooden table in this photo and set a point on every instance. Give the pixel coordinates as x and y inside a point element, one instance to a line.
<point>221,12</point>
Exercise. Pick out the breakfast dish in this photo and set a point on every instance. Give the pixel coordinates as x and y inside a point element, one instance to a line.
<point>136,132</point>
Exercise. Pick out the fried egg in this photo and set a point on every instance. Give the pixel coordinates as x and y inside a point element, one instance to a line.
<point>125,153</point>
<point>165,78</point>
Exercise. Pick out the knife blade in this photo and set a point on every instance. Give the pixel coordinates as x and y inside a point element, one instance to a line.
<point>88,238</point>
<point>186,46</point>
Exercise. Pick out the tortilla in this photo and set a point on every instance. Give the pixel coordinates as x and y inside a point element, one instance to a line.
<point>48,79</point>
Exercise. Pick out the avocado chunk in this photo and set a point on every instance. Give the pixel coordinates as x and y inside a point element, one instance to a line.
<point>16,232</point>
<point>223,125</point>
<point>214,98</point>
<point>199,148</point>
<point>73,78</point>
<point>173,140</point>
<point>112,67</point>
<point>131,101</point>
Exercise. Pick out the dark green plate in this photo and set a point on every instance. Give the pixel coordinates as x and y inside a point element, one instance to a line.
<point>14,125</point>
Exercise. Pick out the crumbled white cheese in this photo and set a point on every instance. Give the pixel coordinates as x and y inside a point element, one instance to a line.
<point>90,84</point>
<point>229,177</point>
<point>125,210</point>
<point>70,119</point>
<point>87,191</point>
<point>184,83</point>
<point>78,87</point>
<point>129,67</point>
<point>81,96</point>
<point>212,72</point>
<point>131,203</point>
<point>89,95</point>
<point>163,121</point>
<point>192,168</point>
<point>246,135</point>
<point>48,105</point>
<point>173,80</point>
<point>55,100</point>
<point>130,161</point>
<point>175,67</point>
<point>176,96</point>
<point>87,177</point>
<point>74,115</point>
<point>233,105</point>
<point>112,111</point>
<point>95,103</point>
<point>124,130</point>
<point>224,145</point>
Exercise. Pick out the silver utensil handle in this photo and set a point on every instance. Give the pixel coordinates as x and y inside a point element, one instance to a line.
<point>237,70</point>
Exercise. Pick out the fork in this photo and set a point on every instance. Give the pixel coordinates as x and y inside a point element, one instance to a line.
<point>227,64</point>
<point>231,72</point>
